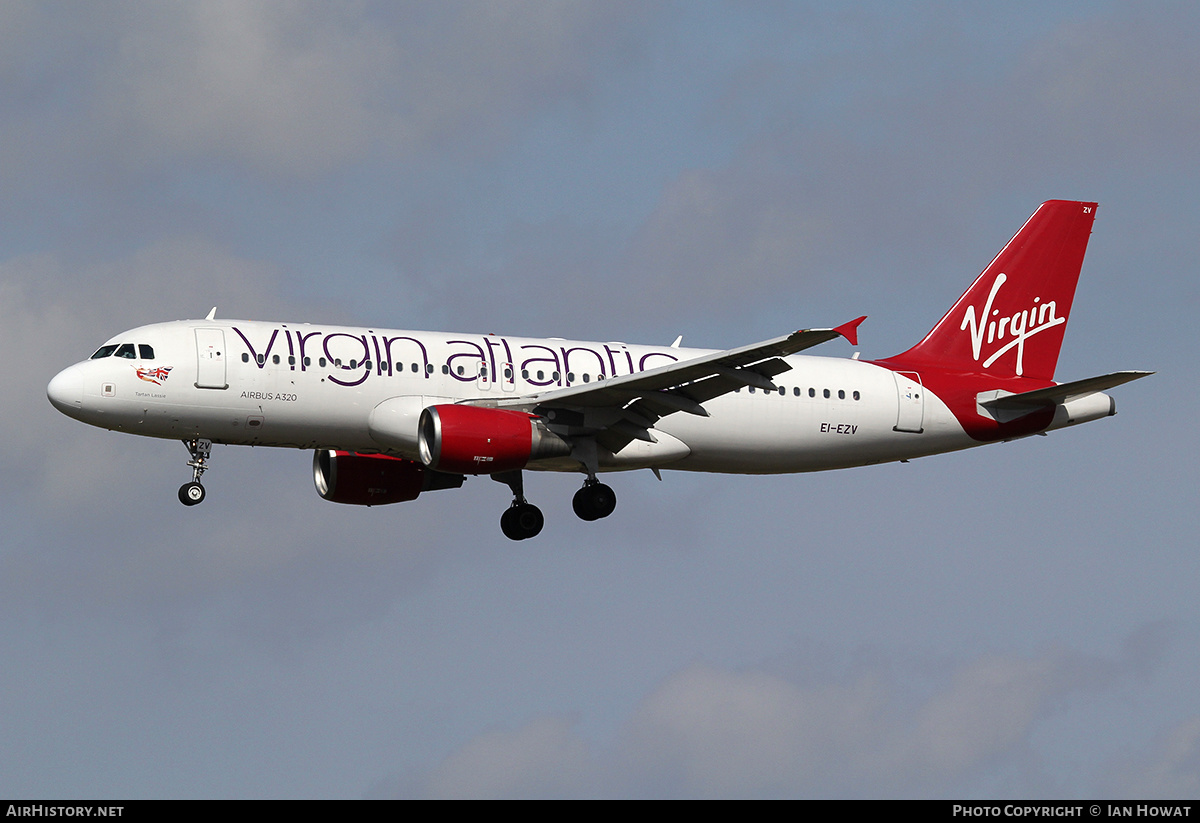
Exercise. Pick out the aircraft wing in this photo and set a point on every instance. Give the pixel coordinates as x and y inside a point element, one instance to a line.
<point>625,408</point>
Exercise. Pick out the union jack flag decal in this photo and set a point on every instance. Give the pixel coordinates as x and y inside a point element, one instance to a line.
<point>156,376</point>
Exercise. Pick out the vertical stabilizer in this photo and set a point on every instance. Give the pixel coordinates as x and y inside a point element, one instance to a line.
<point>1010,323</point>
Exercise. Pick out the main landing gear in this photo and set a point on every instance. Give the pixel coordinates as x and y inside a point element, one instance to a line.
<point>192,493</point>
<point>594,501</point>
<point>522,520</point>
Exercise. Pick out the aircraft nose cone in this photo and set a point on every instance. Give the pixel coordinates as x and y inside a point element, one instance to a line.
<point>66,390</point>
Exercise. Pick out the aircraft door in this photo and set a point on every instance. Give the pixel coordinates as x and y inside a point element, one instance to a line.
<point>508,380</point>
<point>910,395</point>
<point>484,379</point>
<point>210,359</point>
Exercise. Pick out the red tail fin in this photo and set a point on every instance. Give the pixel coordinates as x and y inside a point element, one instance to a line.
<point>1012,319</point>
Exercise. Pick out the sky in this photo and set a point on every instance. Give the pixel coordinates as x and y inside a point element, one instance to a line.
<point>1013,621</point>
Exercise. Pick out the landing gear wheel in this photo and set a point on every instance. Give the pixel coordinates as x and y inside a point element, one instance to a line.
<point>522,521</point>
<point>191,493</point>
<point>506,524</point>
<point>594,501</point>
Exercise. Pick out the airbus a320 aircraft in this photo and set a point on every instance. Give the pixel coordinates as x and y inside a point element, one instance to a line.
<point>391,414</point>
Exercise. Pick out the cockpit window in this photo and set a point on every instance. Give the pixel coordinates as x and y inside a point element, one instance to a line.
<point>145,352</point>
<point>103,351</point>
<point>126,351</point>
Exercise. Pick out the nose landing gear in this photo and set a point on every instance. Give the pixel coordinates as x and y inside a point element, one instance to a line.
<point>192,493</point>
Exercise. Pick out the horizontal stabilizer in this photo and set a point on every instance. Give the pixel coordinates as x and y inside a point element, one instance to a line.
<point>1064,391</point>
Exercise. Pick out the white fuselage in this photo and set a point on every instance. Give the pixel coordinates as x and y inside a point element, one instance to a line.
<point>313,387</point>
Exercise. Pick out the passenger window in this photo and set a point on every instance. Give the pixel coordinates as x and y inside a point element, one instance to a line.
<point>586,377</point>
<point>275,359</point>
<point>841,394</point>
<point>126,351</point>
<point>146,352</point>
<point>856,396</point>
<point>367,365</point>
<point>429,368</point>
<point>445,369</point>
<point>796,391</point>
<point>782,391</point>
<point>525,374</point>
<point>262,358</point>
<point>459,370</point>
<point>827,394</point>
<point>245,357</point>
<point>308,361</point>
<point>321,362</point>
<point>812,392</point>
<point>103,351</point>
<point>291,360</point>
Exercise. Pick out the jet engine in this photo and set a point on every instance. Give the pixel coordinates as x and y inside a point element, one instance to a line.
<point>480,440</point>
<point>374,479</point>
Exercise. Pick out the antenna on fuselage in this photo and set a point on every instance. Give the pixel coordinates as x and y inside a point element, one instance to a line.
<point>212,314</point>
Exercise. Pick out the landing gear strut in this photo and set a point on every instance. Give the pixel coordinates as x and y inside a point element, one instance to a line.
<point>192,493</point>
<point>522,519</point>
<point>594,501</point>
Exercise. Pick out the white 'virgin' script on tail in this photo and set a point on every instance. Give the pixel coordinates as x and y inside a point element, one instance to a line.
<point>1018,327</point>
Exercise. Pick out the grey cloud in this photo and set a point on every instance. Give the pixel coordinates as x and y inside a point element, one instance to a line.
<point>285,86</point>
<point>544,758</point>
<point>710,731</point>
<point>69,311</point>
<point>296,88</point>
<point>1168,767</point>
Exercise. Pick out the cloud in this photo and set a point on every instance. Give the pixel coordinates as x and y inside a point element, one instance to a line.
<point>57,314</point>
<point>1169,767</point>
<point>710,731</point>
<point>289,87</point>
<point>544,758</point>
<point>294,88</point>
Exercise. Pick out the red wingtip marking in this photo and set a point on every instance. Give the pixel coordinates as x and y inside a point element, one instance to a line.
<point>850,330</point>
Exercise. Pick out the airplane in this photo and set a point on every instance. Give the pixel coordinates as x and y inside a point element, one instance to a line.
<point>391,414</point>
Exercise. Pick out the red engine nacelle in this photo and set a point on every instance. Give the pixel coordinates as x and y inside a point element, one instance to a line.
<point>478,440</point>
<point>367,479</point>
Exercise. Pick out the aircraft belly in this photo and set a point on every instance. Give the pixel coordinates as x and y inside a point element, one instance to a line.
<point>639,454</point>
